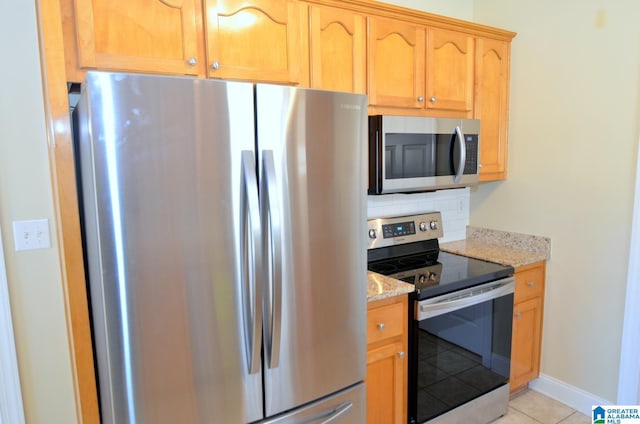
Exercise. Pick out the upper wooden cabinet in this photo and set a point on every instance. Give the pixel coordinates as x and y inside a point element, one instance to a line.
<point>416,67</point>
<point>450,70</point>
<point>337,49</point>
<point>491,106</point>
<point>257,40</point>
<point>396,63</point>
<point>161,36</point>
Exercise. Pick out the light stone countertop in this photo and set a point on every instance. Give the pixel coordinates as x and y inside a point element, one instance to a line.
<point>382,287</point>
<point>503,247</point>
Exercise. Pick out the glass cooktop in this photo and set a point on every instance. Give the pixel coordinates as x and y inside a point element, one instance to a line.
<point>436,272</point>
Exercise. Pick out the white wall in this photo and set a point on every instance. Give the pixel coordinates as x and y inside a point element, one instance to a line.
<point>573,128</point>
<point>34,277</point>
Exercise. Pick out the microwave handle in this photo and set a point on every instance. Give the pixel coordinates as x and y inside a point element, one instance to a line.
<point>463,155</point>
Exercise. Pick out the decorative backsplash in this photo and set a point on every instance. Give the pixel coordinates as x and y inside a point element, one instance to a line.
<point>452,204</point>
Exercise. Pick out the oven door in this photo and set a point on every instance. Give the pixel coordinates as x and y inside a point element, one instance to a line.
<point>461,352</point>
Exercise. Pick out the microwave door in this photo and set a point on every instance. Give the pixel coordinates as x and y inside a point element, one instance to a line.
<point>409,156</point>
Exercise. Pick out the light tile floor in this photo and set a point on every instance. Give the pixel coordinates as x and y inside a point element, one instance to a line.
<point>532,407</point>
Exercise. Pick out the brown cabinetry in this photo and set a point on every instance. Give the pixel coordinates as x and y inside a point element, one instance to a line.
<point>161,36</point>
<point>527,324</point>
<point>491,105</point>
<point>387,361</point>
<point>337,49</point>
<point>450,71</point>
<point>412,66</point>
<point>258,41</point>
<point>396,63</point>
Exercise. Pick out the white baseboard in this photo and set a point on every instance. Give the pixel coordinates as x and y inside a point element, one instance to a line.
<point>571,396</point>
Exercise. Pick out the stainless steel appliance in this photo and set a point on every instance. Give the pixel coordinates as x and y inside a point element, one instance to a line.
<point>459,318</point>
<point>224,289</point>
<point>409,153</point>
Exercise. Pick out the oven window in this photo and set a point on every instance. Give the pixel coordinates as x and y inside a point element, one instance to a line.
<point>462,355</point>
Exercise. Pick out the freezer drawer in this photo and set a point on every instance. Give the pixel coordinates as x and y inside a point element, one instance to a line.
<point>345,407</point>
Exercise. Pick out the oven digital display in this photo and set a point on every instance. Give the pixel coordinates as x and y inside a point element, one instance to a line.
<point>399,229</point>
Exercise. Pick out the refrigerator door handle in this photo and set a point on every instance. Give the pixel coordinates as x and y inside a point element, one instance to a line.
<point>251,252</point>
<point>272,247</point>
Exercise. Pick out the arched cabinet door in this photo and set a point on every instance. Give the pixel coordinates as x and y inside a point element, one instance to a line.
<point>257,41</point>
<point>492,106</point>
<point>156,36</point>
<point>337,44</point>
<point>396,63</point>
<point>450,70</point>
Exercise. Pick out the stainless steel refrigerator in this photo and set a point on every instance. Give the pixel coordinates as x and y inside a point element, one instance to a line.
<point>222,224</point>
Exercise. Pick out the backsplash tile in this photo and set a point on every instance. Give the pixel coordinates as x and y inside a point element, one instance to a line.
<point>452,204</point>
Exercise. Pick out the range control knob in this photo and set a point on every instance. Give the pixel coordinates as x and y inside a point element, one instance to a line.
<point>423,226</point>
<point>373,233</point>
<point>433,225</point>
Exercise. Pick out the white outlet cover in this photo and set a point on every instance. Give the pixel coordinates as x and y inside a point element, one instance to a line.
<point>31,234</point>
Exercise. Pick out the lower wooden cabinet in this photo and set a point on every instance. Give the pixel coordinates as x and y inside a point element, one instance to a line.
<point>387,322</point>
<point>527,325</point>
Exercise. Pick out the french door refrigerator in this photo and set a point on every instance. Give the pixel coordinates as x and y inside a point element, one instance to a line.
<point>222,225</point>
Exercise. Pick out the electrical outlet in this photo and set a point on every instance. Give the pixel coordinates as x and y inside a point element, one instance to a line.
<point>32,234</point>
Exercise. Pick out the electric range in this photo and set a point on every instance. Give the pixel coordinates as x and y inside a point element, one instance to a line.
<point>460,317</point>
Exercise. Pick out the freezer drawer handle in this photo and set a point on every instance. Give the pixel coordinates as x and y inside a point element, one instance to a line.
<point>251,251</point>
<point>272,246</point>
<point>336,413</point>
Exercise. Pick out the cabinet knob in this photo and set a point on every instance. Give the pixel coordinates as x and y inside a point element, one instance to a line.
<point>400,354</point>
<point>193,61</point>
<point>381,326</point>
<point>517,314</point>
<point>531,284</point>
<point>215,65</point>
<point>433,99</point>
<point>421,99</point>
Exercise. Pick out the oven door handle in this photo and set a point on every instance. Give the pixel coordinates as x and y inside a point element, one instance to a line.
<point>444,304</point>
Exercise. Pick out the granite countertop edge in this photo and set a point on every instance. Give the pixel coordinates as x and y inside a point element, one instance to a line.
<point>382,287</point>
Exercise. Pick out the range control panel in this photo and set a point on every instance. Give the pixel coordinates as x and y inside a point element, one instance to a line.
<point>404,229</point>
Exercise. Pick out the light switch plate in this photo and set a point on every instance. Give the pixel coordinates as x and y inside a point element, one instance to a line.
<point>31,234</point>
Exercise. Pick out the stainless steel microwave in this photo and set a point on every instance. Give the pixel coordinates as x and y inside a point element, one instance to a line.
<point>408,153</point>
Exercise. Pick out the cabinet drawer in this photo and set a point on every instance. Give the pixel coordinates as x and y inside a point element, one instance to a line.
<point>529,283</point>
<point>385,322</point>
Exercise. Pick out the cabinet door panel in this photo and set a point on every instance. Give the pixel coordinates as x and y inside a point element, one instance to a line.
<point>144,35</point>
<point>337,50</point>
<point>525,350</point>
<point>385,384</point>
<point>491,106</point>
<point>258,41</point>
<point>450,69</point>
<point>396,63</point>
